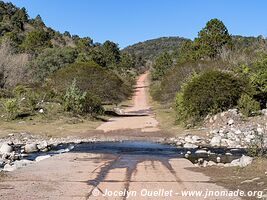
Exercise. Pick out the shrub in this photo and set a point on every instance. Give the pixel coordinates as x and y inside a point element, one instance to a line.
<point>92,104</point>
<point>74,99</point>
<point>256,146</point>
<point>210,92</point>
<point>92,78</point>
<point>248,105</point>
<point>52,59</point>
<point>173,80</point>
<point>80,102</point>
<point>11,107</point>
<point>257,74</point>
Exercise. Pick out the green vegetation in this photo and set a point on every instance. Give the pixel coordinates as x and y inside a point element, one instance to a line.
<point>38,66</point>
<point>162,64</point>
<point>212,73</point>
<point>102,83</point>
<point>150,49</point>
<point>208,93</point>
<point>247,105</point>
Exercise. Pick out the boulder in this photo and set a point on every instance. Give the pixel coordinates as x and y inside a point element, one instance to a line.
<point>196,139</point>
<point>6,148</point>
<point>242,162</point>
<point>31,148</point>
<point>188,139</point>
<point>216,141</point>
<point>42,145</point>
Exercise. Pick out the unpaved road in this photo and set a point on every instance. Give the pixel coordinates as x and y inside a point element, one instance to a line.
<point>90,175</point>
<point>140,106</point>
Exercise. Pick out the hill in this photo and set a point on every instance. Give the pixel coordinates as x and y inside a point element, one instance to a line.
<point>150,49</point>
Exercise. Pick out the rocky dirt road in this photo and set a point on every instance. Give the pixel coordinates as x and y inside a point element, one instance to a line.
<point>97,175</point>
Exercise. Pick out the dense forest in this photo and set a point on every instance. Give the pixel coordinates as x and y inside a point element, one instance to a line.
<point>39,64</point>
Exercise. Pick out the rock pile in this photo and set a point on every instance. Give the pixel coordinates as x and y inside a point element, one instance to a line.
<point>229,129</point>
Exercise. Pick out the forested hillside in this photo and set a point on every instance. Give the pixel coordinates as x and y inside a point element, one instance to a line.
<point>34,57</point>
<point>152,48</point>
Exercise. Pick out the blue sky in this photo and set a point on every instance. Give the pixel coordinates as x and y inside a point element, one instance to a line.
<point>129,21</point>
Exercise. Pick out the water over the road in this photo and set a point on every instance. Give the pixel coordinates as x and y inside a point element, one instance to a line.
<point>147,149</point>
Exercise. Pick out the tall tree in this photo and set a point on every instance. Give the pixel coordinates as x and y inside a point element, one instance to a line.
<point>212,38</point>
<point>111,53</point>
<point>162,64</point>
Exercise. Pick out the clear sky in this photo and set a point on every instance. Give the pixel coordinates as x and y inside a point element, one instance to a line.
<point>129,21</point>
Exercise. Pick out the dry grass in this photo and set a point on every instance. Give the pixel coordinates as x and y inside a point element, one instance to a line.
<point>56,128</point>
<point>166,118</point>
<point>232,177</point>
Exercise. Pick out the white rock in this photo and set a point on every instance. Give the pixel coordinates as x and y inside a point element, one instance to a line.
<point>230,122</point>
<point>211,163</point>
<point>216,141</point>
<point>41,110</point>
<point>31,148</point>
<point>9,168</point>
<point>196,139</point>
<point>188,139</point>
<point>201,151</point>
<point>178,143</point>
<point>42,145</point>
<point>6,148</point>
<point>242,162</point>
<point>260,130</point>
<point>218,159</point>
<point>40,158</point>
<point>190,146</point>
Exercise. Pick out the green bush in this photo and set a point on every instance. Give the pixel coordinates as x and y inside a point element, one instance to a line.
<point>172,81</point>
<point>92,104</point>
<point>257,74</point>
<point>92,78</point>
<point>80,102</point>
<point>74,99</point>
<point>52,59</point>
<point>248,105</point>
<point>208,93</point>
<point>11,107</point>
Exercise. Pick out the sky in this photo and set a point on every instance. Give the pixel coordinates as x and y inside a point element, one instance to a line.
<point>130,21</point>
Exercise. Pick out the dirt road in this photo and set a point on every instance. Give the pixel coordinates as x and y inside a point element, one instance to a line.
<point>92,176</point>
<point>97,174</point>
<point>140,107</point>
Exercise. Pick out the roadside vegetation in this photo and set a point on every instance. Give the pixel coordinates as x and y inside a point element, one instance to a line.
<point>212,74</point>
<point>45,74</point>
